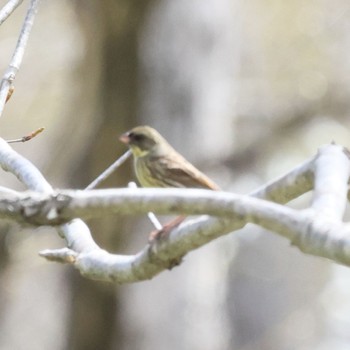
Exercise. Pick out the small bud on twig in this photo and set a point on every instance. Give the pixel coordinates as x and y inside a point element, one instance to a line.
<point>9,94</point>
<point>27,137</point>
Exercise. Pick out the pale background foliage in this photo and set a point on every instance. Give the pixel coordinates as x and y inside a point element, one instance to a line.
<point>246,90</point>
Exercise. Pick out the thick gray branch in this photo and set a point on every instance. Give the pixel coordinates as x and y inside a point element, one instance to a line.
<point>62,206</point>
<point>332,171</point>
<point>23,169</point>
<point>309,229</point>
<point>76,233</point>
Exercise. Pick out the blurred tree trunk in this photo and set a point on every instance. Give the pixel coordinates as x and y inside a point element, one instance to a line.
<point>109,81</point>
<point>184,55</point>
<point>5,230</point>
<point>258,84</point>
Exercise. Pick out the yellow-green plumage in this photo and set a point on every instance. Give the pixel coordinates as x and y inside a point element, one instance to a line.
<point>157,164</point>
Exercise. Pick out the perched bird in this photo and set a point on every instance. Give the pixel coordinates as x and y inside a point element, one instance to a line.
<point>157,164</point>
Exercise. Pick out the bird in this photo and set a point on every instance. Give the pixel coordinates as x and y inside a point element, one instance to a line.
<point>158,164</point>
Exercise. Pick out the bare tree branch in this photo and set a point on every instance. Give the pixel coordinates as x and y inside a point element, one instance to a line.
<point>63,206</point>
<point>23,169</point>
<point>17,56</point>
<point>76,233</point>
<point>317,230</point>
<point>7,10</point>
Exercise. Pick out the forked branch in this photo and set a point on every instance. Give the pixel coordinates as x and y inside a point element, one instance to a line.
<point>317,230</point>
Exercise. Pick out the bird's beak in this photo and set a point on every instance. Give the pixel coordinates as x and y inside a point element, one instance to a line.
<point>125,138</point>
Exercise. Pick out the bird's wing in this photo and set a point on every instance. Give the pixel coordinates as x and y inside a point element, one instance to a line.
<point>178,172</point>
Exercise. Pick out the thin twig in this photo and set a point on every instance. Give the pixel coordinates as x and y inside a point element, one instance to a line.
<point>17,56</point>
<point>63,256</point>
<point>109,170</point>
<point>6,11</point>
<point>27,137</point>
<point>151,216</point>
<point>155,222</point>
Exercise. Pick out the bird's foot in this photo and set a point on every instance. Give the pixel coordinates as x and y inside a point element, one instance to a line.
<point>165,230</point>
<point>158,234</point>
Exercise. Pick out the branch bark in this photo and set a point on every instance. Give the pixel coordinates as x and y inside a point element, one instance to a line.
<point>7,10</point>
<point>317,230</point>
<point>18,53</point>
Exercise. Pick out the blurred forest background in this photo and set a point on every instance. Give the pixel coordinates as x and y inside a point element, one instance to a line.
<point>246,91</point>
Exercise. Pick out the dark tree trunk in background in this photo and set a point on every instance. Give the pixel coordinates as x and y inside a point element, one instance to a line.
<point>246,91</point>
<point>5,230</point>
<point>110,74</point>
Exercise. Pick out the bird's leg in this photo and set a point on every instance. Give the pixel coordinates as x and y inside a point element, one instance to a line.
<point>165,230</point>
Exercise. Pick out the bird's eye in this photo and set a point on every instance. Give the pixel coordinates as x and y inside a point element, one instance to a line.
<point>137,137</point>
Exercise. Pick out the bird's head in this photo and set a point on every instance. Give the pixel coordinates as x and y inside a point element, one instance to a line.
<point>143,140</point>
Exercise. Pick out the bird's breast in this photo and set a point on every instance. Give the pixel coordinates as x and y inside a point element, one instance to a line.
<point>144,173</point>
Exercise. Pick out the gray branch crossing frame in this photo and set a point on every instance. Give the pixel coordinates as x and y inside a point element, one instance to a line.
<point>317,230</point>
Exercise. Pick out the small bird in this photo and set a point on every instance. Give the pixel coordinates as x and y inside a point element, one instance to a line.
<point>157,164</point>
